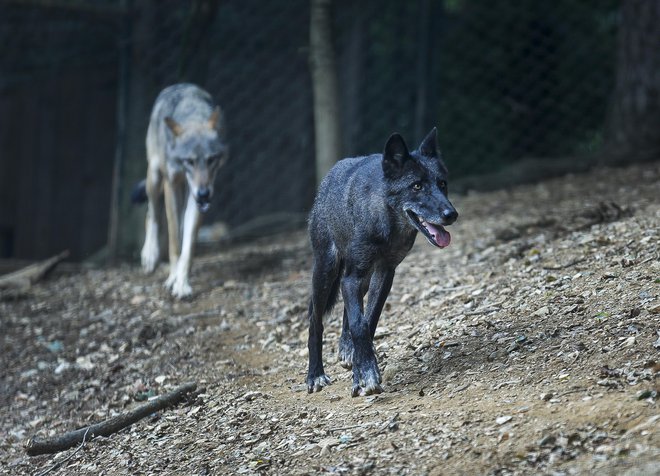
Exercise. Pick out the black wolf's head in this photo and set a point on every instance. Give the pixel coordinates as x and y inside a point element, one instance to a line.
<point>417,187</point>
<point>199,149</point>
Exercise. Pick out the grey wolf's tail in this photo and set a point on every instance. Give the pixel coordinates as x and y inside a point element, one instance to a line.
<point>139,193</point>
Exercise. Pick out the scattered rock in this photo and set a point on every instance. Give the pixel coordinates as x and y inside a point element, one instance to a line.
<point>541,312</point>
<point>501,420</point>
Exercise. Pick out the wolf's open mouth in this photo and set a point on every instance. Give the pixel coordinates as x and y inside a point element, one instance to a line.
<point>435,234</point>
<point>203,206</point>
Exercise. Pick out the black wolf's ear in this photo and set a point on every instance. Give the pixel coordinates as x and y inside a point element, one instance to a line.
<point>215,118</point>
<point>429,146</point>
<point>395,155</point>
<point>174,126</point>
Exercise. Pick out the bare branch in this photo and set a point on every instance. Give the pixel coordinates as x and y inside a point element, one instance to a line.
<point>36,447</point>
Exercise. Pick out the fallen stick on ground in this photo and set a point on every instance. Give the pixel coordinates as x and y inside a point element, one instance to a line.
<point>55,444</point>
<point>26,277</point>
<point>60,463</point>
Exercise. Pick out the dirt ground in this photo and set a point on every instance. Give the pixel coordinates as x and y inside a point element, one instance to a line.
<point>530,346</point>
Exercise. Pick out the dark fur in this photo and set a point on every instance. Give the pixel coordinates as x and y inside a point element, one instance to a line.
<point>363,224</point>
<point>139,192</point>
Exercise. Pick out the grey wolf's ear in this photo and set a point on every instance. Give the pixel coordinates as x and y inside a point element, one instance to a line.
<point>174,126</point>
<point>429,146</point>
<point>395,155</point>
<point>215,118</point>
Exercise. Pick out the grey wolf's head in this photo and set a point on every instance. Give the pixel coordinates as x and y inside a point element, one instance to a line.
<point>417,187</point>
<point>199,150</point>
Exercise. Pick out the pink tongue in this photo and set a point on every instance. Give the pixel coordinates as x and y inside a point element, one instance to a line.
<point>440,235</point>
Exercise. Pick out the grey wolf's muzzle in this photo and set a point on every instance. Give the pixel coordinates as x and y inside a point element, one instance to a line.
<point>203,199</point>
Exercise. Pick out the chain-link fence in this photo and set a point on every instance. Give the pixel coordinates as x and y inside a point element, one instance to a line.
<point>502,80</point>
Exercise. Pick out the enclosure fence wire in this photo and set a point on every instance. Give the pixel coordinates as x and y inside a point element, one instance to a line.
<point>503,81</point>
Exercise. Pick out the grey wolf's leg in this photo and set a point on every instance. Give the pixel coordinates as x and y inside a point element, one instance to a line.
<point>151,249</point>
<point>180,286</point>
<point>172,212</point>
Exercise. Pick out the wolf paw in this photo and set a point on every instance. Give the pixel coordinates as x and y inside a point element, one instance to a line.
<point>316,384</point>
<point>149,257</point>
<point>178,286</point>
<point>366,381</point>
<point>365,391</point>
<point>345,353</point>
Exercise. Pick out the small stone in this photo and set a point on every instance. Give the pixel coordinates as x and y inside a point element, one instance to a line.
<point>406,298</point>
<point>501,420</point>
<point>548,440</point>
<point>84,363</point>
<point>138,299</point>
<point>544,311</point>
<point>249,396</point>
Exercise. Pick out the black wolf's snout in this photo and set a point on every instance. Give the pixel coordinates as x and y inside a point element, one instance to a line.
<point>203,194</point>
<point>449,216</point>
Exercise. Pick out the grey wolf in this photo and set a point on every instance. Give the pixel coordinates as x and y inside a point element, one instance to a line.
<point>185,149</point>
<point>363,223</point>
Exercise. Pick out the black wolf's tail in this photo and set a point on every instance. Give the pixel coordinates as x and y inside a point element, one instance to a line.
<point>332,297</point>
<point>334,293</point>
<point>139,193</point>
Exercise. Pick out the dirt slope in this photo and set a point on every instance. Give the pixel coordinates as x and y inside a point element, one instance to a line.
<point>529,346</point>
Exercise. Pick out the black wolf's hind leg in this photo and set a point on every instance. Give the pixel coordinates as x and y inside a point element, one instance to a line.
<point>324,289</point>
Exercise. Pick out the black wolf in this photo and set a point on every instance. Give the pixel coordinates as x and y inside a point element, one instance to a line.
<point>364,221</point>
<point>185,149</point>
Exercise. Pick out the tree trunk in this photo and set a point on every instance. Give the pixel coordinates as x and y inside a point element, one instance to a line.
<point>324,82</point>
<point>120,151</point>
<point>634,125</point>
<point>424,62</point>
<point>127,220</point>
<point>196,50</point>
<point>353,79</point>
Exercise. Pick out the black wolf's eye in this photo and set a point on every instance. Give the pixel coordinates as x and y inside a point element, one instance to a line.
<point>211,160</point>
<point>443,185</point>
<point>188,162</point>
<point>417,186</point>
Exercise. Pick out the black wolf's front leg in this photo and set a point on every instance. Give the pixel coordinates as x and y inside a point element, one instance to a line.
<point>345,351</point>
<point>379,289</point>
<point>366,377</point>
